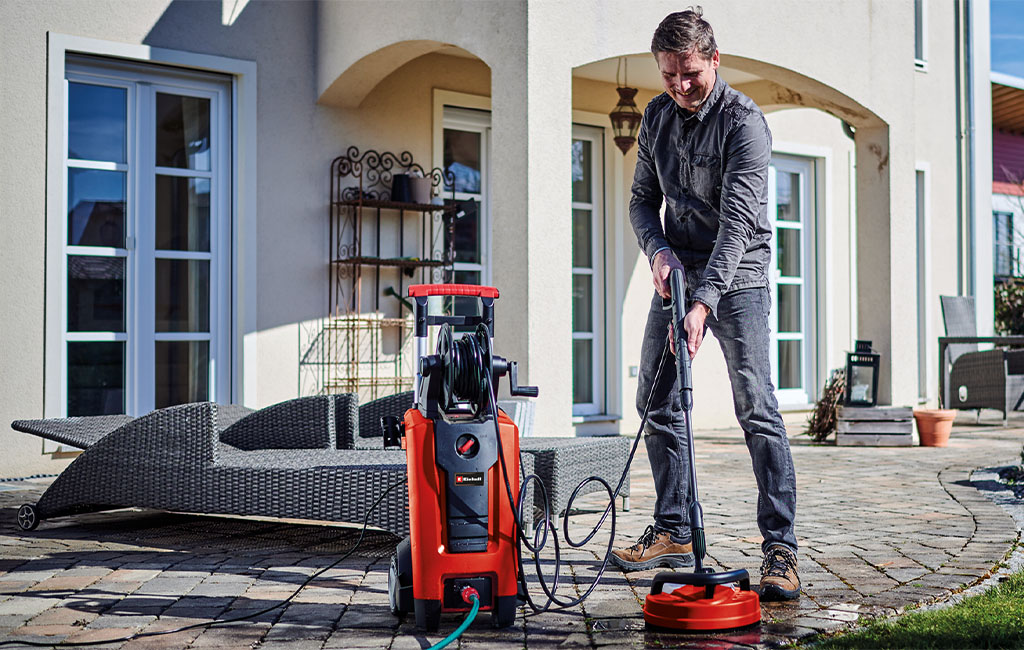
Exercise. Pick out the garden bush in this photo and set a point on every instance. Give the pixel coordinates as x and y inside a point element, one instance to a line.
<point>1009,306</point>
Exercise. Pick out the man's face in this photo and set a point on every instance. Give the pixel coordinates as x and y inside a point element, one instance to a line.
<point>688,78</point>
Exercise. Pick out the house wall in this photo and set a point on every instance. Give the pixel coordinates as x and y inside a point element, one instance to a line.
<point>329,75</point>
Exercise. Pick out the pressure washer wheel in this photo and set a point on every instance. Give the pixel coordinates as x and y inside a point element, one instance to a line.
<point>28,517</point>
<point>400,579</point>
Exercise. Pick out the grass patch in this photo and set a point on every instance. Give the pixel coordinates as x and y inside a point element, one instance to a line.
<point>994,619</point>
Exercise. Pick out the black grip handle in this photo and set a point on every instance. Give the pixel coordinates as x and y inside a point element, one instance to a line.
<point>677,284</point>
<point>701,579</point>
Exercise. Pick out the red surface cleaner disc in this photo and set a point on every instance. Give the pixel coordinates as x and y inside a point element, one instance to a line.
<point>688,608</point>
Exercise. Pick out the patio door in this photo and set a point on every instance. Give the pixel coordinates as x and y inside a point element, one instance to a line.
<point>791,211</point>
<point>588,310</point>
<point>146,289</point>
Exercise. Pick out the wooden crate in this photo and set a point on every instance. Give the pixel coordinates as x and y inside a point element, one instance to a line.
<point>876,426</point>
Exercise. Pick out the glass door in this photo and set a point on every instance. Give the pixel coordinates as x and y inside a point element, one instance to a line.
<point>587,271</point>
<point>790,207</point>
<point>465,150</point>
<point>147,241</point>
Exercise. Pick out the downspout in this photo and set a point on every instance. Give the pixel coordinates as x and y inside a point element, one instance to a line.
<point>957,36</point>
<point>969,81</point>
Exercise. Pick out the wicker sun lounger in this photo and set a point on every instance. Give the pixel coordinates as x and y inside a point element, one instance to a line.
<point>291,460</point>
<point>282,461</point>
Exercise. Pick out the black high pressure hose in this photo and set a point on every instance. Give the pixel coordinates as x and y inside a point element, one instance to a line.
<point>471,378</point>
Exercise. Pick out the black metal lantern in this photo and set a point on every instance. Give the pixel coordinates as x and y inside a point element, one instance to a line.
<point>625,116</point>
<point>862,375</point>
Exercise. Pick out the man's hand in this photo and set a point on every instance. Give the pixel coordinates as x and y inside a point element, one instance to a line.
<point>693,323</point>
<point>661,267</point>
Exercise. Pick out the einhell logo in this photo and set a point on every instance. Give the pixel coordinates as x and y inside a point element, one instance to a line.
<point>470,478</point>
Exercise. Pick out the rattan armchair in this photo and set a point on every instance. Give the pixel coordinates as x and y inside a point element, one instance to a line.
<point>977,379</point>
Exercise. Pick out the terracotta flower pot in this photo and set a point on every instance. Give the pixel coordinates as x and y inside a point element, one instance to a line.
<point>934,426</point>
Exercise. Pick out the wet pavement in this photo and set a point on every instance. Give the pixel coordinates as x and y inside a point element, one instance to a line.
<point>881,530</point>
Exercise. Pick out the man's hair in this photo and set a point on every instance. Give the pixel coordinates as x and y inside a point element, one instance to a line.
<point>685,31</point>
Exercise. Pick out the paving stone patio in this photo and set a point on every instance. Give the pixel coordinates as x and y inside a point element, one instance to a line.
<point>881,530</point>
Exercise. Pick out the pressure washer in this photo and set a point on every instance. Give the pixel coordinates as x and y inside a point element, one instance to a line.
<point>462,530</point>
<point>464,550</point>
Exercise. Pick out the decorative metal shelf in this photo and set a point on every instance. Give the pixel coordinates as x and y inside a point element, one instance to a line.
<point>377,247</point>
<point>395,205</point>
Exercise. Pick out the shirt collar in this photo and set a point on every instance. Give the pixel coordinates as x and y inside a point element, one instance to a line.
<point>716,92</point>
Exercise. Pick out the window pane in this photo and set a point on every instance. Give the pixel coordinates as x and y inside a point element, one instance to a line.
<point>182,213</point>
<point>465,305</point>
<point>466,231</point>
<point>788,196</point>
<point>95,294</point>
<point>96,204</point>
<point>582,371</point>
<point>789,308</point>
<point>789,364</point>
<point>97,122</point>
<point>95,378</point>
<point>789,252</point>
<point>462,158</point>
<point>581,239</point>
<point>582,303</point>
<point>182,295</point>
<point>581,167</point>
<point>182,132</point>
<point>182,372</point>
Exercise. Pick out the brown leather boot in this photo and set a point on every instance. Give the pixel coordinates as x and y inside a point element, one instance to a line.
<point>653,549</point>
<point>779,580</point>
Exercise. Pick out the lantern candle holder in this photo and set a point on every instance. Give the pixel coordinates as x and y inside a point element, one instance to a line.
<point>862,375</point>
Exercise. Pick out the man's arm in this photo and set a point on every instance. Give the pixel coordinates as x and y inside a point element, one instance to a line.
<point>747,155</point>
<point>645,203</point>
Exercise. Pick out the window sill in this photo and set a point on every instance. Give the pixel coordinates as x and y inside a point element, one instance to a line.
<point>597,417</point>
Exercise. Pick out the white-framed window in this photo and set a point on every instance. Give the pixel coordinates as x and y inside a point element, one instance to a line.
<point>920,35</point>
<point>588,291</point>
<point>466,136</point>
<point>145,277</point>
<point>791,206</point>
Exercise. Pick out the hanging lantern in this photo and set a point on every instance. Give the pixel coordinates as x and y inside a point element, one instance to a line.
<point>625,116</point>
<point>862,375</point>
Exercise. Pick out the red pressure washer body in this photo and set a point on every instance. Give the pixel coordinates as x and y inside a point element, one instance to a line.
<point>461,525</point>
<point>452,549</point>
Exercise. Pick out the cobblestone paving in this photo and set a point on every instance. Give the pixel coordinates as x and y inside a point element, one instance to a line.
<point>880,529</point>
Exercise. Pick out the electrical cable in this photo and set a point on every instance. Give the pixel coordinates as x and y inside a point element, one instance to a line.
<point>209,624</point>
<point>470,377</point>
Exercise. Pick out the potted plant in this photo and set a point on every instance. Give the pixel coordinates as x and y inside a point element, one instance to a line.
<point>934,426</point>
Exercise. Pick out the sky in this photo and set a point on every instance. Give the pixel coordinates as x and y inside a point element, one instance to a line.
<point>1007,18</point>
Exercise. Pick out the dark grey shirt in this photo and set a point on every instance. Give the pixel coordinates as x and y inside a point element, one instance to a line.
<point>711,170</point>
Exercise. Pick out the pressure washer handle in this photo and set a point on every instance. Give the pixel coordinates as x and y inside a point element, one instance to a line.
<point>677,284</point>
<point>421,292</point>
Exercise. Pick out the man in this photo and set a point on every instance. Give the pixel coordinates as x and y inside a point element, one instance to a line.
<point>704,150</point>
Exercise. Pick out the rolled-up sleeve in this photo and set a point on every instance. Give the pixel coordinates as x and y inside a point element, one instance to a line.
<point>645,203</point>
<point>744,192</point>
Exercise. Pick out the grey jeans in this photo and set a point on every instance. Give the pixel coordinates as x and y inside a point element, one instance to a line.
<point>742,330</point>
